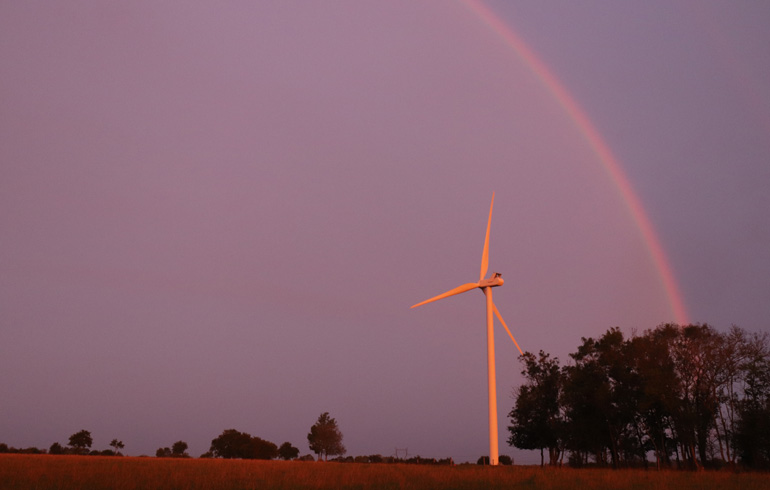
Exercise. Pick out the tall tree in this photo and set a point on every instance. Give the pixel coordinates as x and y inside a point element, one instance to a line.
<point>752,433</point>
<point>325,438</point>
<point>658,389</point>
<point>696,361</point>
<point>598,398</point>
<point>536,421</point>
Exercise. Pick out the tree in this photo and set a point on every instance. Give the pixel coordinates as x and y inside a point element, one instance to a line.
<point>163,452</point>
<point>325,438</point>
<point>179,450</point>
<point>536,421</point>
<point>688,392</point>
<point>700,372</point>
<point>56,448</point>
<point>234,444</point>
<point>602,399</point>
<point>287,451</point>
<point>117,445</point>
<point>81,442</point>
<point>752,434</point>
<point>261,449</point>
<point>230,444</point>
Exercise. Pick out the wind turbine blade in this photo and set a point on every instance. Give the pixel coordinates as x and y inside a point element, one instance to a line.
<point>500,317</point>
<point>452,292</point>
<point>485,254</point>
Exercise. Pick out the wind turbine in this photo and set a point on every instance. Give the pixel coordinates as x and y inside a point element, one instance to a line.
<point>486,285</point>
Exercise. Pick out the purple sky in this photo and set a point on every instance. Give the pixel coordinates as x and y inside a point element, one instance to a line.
<point>217,215</point>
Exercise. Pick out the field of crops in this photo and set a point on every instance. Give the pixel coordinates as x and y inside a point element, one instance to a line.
<point>95,473</point>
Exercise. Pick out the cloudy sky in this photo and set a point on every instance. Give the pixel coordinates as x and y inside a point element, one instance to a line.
<point>216,215</point>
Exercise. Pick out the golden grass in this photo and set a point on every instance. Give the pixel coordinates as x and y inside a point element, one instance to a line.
<point>44,472</point>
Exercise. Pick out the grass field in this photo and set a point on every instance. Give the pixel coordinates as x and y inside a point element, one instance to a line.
<point>93,472</point>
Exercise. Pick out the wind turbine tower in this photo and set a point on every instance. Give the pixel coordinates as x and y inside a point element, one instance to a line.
<point>486,286</point>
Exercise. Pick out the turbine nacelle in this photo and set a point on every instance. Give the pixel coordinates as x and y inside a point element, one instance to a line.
<point>494,281</point>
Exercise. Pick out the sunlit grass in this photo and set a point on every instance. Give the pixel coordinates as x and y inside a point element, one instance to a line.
<point>93,472</point>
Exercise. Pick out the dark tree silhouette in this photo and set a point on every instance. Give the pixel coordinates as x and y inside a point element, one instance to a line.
<point>81,442</point>
<point>287,451</point>
<point>536,421</point>
<point>117,445</point>
<point>179,450</point>
<point>752,434</point>
<point>230,444</point>
<point>234,444</point>
<point>692,395</point>
<point>325,438</point>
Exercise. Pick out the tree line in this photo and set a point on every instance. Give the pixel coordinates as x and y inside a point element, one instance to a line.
<point>79,443</point>
<point>324,439</point>
<point>689,396</point>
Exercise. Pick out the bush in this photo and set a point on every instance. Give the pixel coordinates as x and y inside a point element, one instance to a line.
<point>57,448</point>
<point>163,452</point>
<point>505,460</point>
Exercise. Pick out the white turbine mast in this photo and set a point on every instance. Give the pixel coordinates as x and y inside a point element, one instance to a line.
<point>486,285</point>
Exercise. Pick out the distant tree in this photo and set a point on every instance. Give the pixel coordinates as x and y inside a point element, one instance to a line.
<point>117,445</point>
<point>234,444</point>
<point>56,448</point>
<point>484,460</point>
<point>306,457</point>
<point>207,455</point>
<point>261,449</point>
<point>31,450</point>
<point>287,451</point>
<point>325,438</point>
<point>230,444</point>
<point>179,450</point>
<point>163,452</point>
<point>505,460</point>
<point>81,442</point>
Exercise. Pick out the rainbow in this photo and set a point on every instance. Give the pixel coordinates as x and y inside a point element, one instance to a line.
<point>602,150</point>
